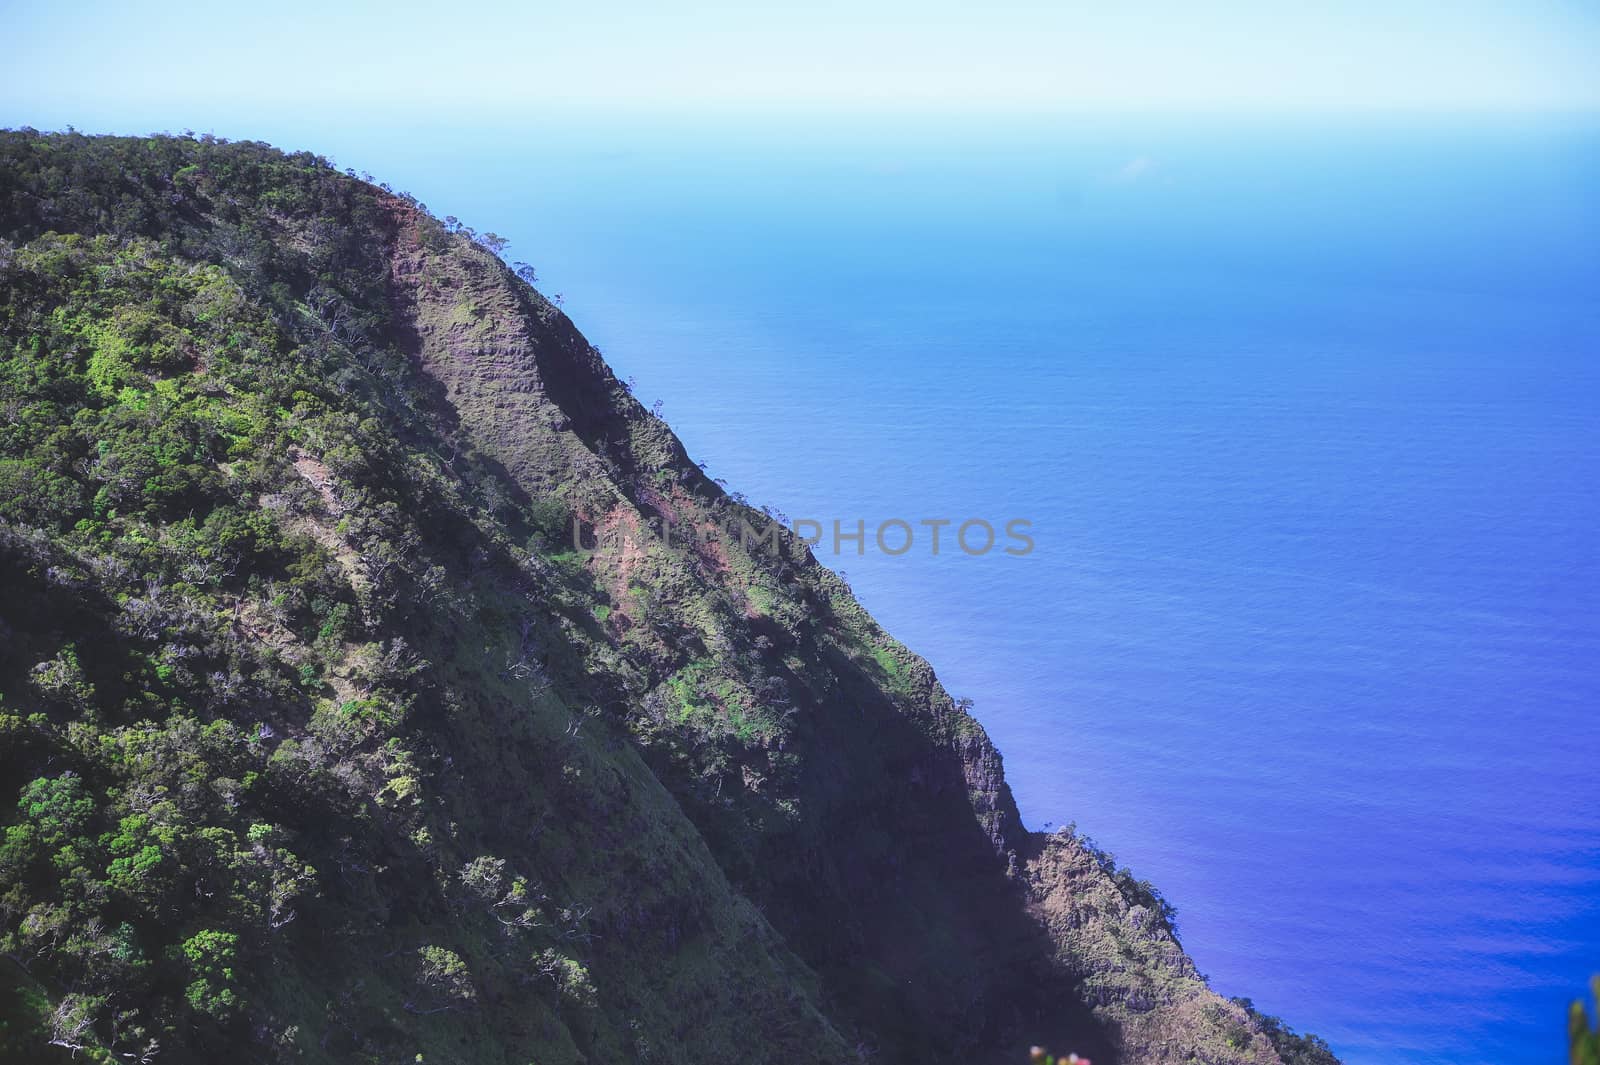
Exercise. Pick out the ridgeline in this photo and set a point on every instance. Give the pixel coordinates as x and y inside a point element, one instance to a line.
<point>321,742</point>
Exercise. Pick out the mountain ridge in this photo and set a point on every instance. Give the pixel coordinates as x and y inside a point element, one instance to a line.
<point>652,801</point>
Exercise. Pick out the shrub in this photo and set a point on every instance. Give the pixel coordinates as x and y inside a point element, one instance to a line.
<point>1584,1040</point>
<point>211,956</point>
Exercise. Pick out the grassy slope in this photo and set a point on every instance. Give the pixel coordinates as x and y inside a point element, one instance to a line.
<point>748,823</point>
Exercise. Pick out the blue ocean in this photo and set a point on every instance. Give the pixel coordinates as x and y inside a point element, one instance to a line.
<point>1306,421</point>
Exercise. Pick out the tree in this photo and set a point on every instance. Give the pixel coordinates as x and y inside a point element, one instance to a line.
<point>211,956</point>
<point>59,807</point>
<point>1584,1039</point>
<point>72,1024</point>
<point>445,980</point>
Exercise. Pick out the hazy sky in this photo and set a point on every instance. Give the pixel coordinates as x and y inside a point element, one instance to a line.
<point>133,58</point>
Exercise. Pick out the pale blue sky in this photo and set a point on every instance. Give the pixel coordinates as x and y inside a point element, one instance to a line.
<point>135,60</point>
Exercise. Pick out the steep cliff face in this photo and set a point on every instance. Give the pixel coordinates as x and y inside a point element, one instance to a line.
<point>671,797</point>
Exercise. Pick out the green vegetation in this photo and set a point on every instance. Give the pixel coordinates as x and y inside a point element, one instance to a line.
<point>1584,1039</point>
<point>1292,1047</point>
<point>1135,890</point>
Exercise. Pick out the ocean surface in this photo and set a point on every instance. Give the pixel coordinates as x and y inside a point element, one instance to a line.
<point>1306,420</point>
